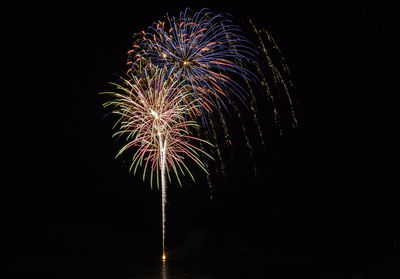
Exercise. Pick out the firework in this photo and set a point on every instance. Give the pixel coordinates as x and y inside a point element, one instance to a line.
<point>202,50</point>
<point>154,119</point>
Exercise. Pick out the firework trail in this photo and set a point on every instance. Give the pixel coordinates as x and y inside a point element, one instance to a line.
<point>153,112</point>
<point>278,70</point>
<point>270,77</point>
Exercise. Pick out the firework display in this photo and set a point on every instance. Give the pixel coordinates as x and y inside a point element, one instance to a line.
<point>193,68</point>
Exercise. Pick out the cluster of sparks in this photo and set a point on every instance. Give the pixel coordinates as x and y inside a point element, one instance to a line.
<point>180,71</point>
<point>154,114</point>
<point>203,50</point>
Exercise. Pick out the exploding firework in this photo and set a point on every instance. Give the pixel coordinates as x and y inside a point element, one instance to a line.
<point>153,117</point>
<point>202,50</point>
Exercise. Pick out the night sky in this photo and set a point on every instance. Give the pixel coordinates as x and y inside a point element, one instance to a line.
<point>325,195</point>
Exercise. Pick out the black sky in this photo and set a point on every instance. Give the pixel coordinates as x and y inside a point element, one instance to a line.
<point>325,190</point>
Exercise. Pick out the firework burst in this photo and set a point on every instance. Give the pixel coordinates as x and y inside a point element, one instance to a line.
<point>155,121</point>
<point>203,50</point>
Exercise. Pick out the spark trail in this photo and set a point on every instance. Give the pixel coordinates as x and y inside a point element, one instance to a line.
<point>153,117</point>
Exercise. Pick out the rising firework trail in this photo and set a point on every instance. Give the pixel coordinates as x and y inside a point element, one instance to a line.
<point>153,118</point>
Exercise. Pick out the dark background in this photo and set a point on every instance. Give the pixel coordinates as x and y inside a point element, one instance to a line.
<point>326,195</point>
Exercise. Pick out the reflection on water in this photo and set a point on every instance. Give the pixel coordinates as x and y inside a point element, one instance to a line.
<point>234,266</point>
<point>168,270</point>
<point>164,271</point>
